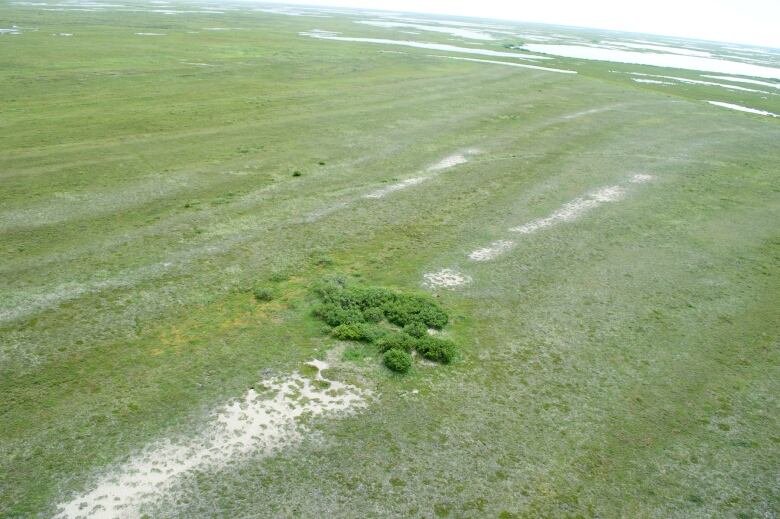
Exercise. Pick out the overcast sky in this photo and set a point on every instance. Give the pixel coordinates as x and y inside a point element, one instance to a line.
<point>742,21</point>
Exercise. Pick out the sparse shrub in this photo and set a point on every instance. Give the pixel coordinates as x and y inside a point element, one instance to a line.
<point>358,352</point>
<point>325,288</point>
<point>278,277</point>
<point>323,261</point>
<point>397,360</point>
<point>263,294</point>
<point>397,341</point>
<point>373,315</point>
<point>436,349</point>
<point>297,173</point>
<point>416,330</point>
<point>321,163</point>
<point>407,309</point>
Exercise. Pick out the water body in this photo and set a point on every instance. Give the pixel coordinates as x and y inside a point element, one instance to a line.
<point>656,59</point>
<point>423,45</point>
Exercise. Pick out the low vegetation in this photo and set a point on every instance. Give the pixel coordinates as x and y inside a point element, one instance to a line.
<point>397,360</point>
<point>396,323</point>
<point>263,294</point>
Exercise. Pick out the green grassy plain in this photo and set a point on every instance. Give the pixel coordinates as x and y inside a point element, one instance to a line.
<point>622,365</point>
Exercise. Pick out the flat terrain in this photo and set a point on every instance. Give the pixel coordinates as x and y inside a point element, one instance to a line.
<point>613,247</point>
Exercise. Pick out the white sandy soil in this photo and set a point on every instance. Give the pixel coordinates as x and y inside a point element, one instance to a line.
<point>445,278</point>
<point>262,420</point>
<point>742,108</point>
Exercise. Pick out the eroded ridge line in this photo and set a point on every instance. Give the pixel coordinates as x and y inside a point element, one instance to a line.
<point>446,163</point>
<point>568,212</point>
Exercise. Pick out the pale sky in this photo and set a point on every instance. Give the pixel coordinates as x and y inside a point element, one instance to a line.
<point>754,22</point>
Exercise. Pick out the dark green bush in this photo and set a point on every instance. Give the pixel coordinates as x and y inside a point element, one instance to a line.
<point>407,309</point>
<point>354,311</point>
<point>335,315</point>
<point>436,349</point>
<point>296,173</point>
<point>358,332</point>
<point>397,360</point>
<point>360,297</point>
<point>416,330</point>
<point>372,333</point>
<point>263,293</point>
<point>373,315</point>
<point>346,332</point>
<point>397,341</point>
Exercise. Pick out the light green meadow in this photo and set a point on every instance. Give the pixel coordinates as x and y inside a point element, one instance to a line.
<point>615,246</point>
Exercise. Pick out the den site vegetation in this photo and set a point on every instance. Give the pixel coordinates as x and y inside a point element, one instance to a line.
<point>395,323</point>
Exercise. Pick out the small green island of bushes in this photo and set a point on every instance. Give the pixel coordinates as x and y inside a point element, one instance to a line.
<point>396,323</point>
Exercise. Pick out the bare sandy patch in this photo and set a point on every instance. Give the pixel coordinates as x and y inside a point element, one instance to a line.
<point>445,278</point>
<point>744,80</point>
<point>568,212</point>
<point>640,178</point>
<point>381,193</point>
<point>492,251</point>
<point>743,108</point>
<point>608,194</point>
<point>697,82</point>
<point>583,113</point>
<point>449,162</point>
<point>573,210</point>
<point>454,160</point>
<point>263,420</point>
<point>651,81</point>
<point>445,163</point>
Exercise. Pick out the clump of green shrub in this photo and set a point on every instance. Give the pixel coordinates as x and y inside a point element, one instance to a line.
<point>410,309</point>
<point>373,315</point>
<point>391,321</point>
<point>417,330</point>
<point>397,360</point>
<point>278,277</point>
<point>436,349</point>
<point>363,332</point>
<point>397,341</point>
<point>336,315</point>
<point>263,294</point>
